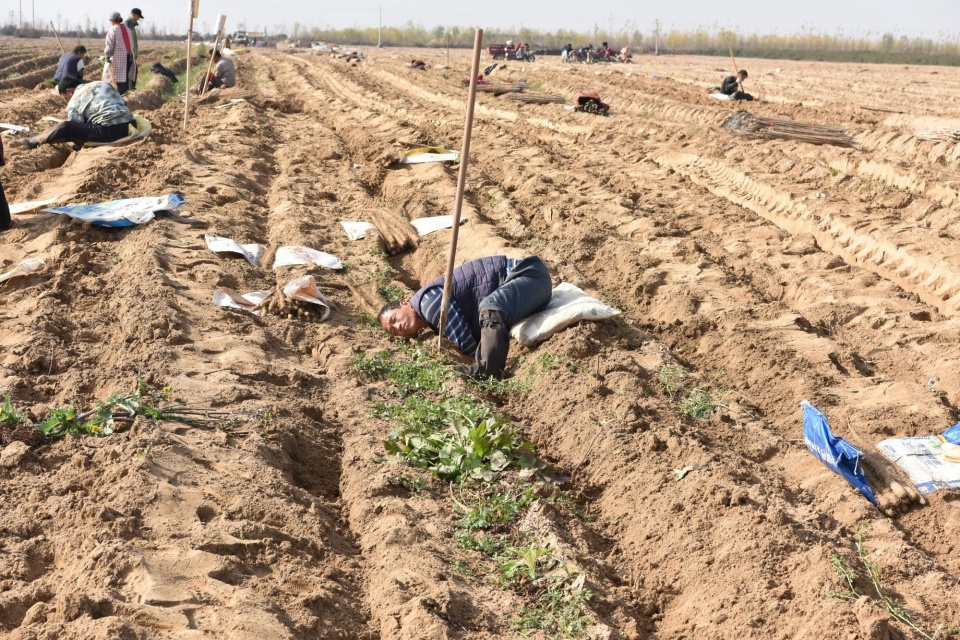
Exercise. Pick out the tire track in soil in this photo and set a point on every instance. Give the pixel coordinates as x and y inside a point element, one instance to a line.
<point>481,154</point>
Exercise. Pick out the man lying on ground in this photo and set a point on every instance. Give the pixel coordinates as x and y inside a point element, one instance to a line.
<point>489,296</point>
<point>731,86</point>
<point>71,64</point>
<point>224,73</point>
<point>95,113</point>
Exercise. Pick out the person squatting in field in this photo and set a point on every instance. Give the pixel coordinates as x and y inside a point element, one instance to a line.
<point>489,295</point>
<point>731,86</point>
<point>95,113</point>
<point>72,64</point>
<point>224,73</point>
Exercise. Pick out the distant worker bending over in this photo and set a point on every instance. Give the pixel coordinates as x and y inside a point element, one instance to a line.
<point>731,86</point>
<point>224,73</point>
<point>72,64</point>
<point>488,296</point>
<point>95,113</point>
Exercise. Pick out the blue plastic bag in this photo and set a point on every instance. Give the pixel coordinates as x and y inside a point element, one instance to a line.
<point>952,435</point>
<point>120,213</point>
<point>839,455</point>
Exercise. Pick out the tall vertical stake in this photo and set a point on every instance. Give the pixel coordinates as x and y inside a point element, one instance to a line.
<point>380,29</point>
<point>461,183</point>
<point>62,50</point>
<point>186,105</point>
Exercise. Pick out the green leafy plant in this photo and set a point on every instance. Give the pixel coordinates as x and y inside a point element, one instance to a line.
<point>410,482</point>
<point>491,507</point>
<point>702,401</point>
<point>560,610</point>
<point>9,414</point>
<point>416,372</point>
<point>491,546</point>
<point>521,562</point>
<point>385,289</point>
<point>672,379</point>
<point>122,409</point>
<point>477,450</point>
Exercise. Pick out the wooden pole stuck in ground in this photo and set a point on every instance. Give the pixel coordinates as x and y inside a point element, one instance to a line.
<point>54,29</point>
<point>221,21</point>
<point>736,71</point>
<point>194,9</point>
<point>461,183</point>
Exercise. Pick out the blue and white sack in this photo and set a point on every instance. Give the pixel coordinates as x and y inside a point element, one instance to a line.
<point>120,213</point>
<point>839,455</point>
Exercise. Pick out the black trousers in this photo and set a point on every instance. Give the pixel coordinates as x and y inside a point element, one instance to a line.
<point>4,211</point>
<point>82,132</point>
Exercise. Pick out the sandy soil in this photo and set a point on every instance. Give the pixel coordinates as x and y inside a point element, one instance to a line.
<point>779,271</point>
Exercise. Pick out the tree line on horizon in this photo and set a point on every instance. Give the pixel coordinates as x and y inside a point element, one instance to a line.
<point>804,45</point>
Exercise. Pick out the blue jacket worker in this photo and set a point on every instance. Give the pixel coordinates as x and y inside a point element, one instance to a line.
<point>71,64</point>
<point>489,296</point>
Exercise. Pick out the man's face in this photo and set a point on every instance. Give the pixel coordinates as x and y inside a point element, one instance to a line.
<point>66,95</point>
<point>401,322</point>
<point>135,18</point>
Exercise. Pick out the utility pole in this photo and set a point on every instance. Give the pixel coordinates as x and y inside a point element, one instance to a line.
<point>21,15</point>
<point>656,37</point>
<point>33,19</point>
<point>380,30</point>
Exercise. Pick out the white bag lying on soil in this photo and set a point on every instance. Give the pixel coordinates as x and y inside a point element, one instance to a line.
<point>288,256</point>
<point>30,207</point>
<point>426,226</point>
<point>226,297</point>
<point>305,289</point>
<point>430,154</point>
<point>719,96</point>
<point>25,268</point>
<point>219,244</point>
<point>356,230</point>
<point>121,213</point>
<point>930,462</point>
<point>569,305</point>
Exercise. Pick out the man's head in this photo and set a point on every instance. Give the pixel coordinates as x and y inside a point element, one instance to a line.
<point>743,74</point>
<point>216,56</point>
<point>136,16</point>
<point>67,86</point>
<point>115,17</point>
<point>399,319</point>
<point>80,50</point>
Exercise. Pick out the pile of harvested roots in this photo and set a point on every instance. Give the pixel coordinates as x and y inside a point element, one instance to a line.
<point>747,124</point>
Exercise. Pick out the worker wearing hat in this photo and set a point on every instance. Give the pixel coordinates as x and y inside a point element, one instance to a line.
<point>132,22</point>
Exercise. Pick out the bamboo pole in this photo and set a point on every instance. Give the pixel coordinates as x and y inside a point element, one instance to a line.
<point>736,71</point>
<point>186,106</point>
<point>221,22</point>
<point>54,29</point>
<point>461,183</point>
<point>206,78</point>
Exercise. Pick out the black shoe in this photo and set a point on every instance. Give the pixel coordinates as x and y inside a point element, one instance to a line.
<point>32,143</point>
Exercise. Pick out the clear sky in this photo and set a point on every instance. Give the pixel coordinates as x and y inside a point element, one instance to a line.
<point>938,19</point>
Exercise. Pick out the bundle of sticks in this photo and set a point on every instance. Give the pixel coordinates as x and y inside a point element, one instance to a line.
<point>747,124</point>
<point>937,135</point>
<point>537,98</point>
<point>499,89</point>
